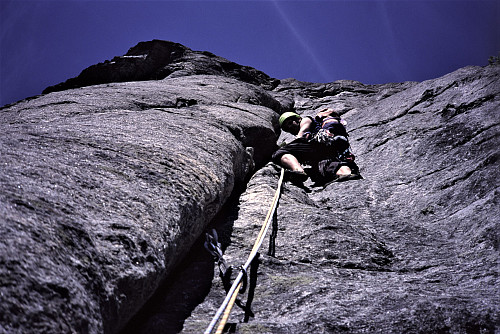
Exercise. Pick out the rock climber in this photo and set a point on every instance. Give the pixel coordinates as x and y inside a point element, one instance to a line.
<point>320,142</point>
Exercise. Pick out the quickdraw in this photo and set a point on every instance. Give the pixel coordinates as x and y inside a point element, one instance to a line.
<point>227,305</point>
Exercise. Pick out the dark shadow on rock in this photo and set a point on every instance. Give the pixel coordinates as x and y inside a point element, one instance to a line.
<point>190,284</point>
<point>176,298</point>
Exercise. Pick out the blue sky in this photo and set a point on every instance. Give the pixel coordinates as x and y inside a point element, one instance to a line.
<point>46,42</point>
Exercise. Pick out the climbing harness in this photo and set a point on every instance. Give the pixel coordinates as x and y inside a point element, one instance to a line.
<point>228,303</point>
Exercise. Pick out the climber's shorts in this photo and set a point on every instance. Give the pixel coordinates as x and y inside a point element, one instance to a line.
<point>303,150</point>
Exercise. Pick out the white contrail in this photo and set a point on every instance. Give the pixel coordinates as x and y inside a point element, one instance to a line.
<point>321,69</point>
<point>393,60</point>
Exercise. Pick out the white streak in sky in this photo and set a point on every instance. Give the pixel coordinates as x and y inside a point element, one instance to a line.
<point>393,60</point>
<point>321,69</point>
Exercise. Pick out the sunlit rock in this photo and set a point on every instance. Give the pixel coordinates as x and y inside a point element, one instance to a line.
<point>109,182</point>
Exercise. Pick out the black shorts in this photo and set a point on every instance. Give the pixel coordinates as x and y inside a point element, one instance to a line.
<point>324,162</point>
<point>304,150</point>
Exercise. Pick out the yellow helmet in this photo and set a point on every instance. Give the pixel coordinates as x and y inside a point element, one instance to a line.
<point>286,116</point>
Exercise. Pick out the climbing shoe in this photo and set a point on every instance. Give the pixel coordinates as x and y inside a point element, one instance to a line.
<point>348,177</point>
<point>342,178</point>
<point>296,176</point>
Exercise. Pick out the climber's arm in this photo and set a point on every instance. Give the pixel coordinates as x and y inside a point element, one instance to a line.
<point>305,127</point>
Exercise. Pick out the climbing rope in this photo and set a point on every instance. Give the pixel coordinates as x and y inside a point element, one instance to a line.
<point>230,299</point>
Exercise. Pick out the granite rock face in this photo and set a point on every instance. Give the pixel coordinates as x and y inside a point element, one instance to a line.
<point>411,248</point>
<point>106,192</point>
<point>156,60</point>
<point>104,189</point>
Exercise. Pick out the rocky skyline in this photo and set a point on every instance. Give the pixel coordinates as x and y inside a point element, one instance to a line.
<point>373,42</point>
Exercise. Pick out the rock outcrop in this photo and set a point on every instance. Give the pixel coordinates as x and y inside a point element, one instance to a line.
<point>105,189</point>
<point>411,248</point>
<point>156,60</point>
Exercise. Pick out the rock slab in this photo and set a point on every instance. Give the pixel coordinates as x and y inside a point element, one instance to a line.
<point>411,248</point>
<point>103,189</point>
<point>109,180</point>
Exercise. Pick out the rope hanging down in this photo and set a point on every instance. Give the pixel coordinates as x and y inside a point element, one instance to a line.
<point>230,299</point>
